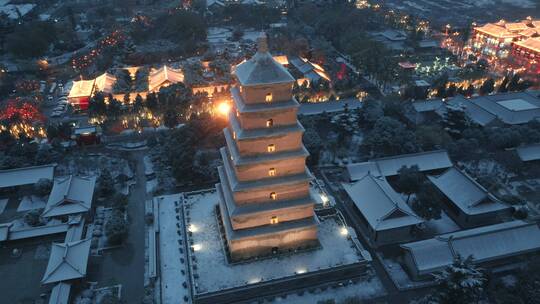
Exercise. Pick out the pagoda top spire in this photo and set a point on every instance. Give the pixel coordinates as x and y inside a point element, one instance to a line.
<point>262,68</point>
<point>262,43</point>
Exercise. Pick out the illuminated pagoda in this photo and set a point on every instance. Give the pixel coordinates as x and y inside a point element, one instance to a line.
<point>265,203</point>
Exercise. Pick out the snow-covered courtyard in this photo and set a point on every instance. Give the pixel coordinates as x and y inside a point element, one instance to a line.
<point>174,278</point>
<point>210,259</point>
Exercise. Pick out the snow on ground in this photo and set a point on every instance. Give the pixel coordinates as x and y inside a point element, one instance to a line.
<point>400,277</point>
<point>31,203</point>
<point>251,35</point>
<point>336,250</point>
<point>3,204</point>
<point>170,256</point>
<point>218,34</point>
<point>151,185</point>
<point>148,166</point>
<point>368,289</point>
<point>443,225</point>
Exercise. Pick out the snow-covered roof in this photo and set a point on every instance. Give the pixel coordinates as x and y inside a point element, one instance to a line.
<point>464,192</point>
<point>4,231</point>
<point>67,261</point>
<point>70,195</point>
<point>15,11</point>
<point>60,293</point>
<point>26,175</point>
<point>511,108</point>
<point>389,166</point>
<point>529,153</point>
<point>495,30</point>
<point>262,68</point>
<point>380,205</point>
<point>427,105</point>
<point>82,88</point>
<point>474,112</point>
<point>84,130</point>
<point>164,75</point>
<point>485,244</point>
<point>105,83</point>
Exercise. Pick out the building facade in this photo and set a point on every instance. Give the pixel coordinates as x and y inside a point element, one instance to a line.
<point>265,203</point>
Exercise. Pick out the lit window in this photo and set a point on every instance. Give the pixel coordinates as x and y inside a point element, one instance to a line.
<point>234,135</point>
<point>269,97</point>
<point>271,148</point>
<point>274,220</point>
<point>270,122</point>
<point>273,195</point>
<point>237,113</point>
<point>272,172</point>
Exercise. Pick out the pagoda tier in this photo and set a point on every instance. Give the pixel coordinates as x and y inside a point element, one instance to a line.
<point>265,202</point>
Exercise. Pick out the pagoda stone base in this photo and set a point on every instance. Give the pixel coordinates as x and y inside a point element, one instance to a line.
<point>263,246</point>
<point>268,240</point>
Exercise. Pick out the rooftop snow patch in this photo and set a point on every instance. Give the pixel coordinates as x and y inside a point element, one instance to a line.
<point>485,244</point>
<point>389,166</point>
<point>25,176</point>
<point>517,104</point>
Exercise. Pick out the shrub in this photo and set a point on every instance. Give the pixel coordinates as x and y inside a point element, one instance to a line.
<point>43,186</point>
<point>116,228</point>
<point>33,217</point>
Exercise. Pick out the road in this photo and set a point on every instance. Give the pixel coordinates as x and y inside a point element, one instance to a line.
<point>125,265</point>
<point>394,295</point>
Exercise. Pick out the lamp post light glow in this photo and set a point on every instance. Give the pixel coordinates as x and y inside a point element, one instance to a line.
<point>324,199</point>
<point>344,231</point>
<point>192,228</point>
<point>196,247</point>
<point>301,270</point>
<point>224,108</point>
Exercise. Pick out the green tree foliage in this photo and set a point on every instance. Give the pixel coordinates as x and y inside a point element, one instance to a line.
<point>116,228</point>
<point>487,87</point>
<point>455,120</point>
<point>256,16</point>
<point>389,137</point>
<point>43,186</point>
<point>432,137</point>
<point>182,26</point>
<point>30,40</point>
<point>460,282</point>
<point>409,180</point>
<point>428,202</point>
<point>369,113</point>
<point>105,184</point>
<point>33,217</point>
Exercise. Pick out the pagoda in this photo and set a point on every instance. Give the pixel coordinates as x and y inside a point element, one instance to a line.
<point>265,203</point>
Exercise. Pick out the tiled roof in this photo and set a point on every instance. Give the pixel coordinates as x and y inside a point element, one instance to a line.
<point>380,205</point>
<point>483,244</point>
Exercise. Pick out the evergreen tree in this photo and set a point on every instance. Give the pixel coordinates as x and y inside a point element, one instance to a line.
<point>460,282</point>
<point>455,120</point>
<point>409,180</point>
<point>151,102</point>
<point>428,202</point>
<point>503,87</point>
<point>138,104</point>
<point>469,91</point>
<point>451,91</point>
<point>513,85</point>
<point>487,87</point>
